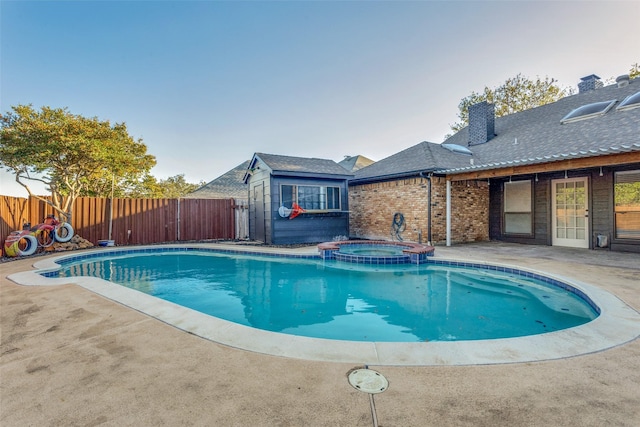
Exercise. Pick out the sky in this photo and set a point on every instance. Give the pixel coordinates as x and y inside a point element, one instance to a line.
<point>206,84</point>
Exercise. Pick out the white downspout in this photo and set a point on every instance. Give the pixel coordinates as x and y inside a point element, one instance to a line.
<point>448,213</point>
<point>113,183</point>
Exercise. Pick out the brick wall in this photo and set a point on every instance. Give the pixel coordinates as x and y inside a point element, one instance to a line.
<point>372,208</point>
<point>481,122</point>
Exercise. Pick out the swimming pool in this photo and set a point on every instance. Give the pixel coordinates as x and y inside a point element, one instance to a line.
<point>617,323</point>
<point>325,299</point>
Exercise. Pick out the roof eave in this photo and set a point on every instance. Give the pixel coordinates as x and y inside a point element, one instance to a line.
<point>622,148</point>
<point>389,177</point>
<point>320,175</point>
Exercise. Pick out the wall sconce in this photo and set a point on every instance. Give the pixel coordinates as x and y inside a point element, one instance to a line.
<point>600,170</point>
<point>536,177</point>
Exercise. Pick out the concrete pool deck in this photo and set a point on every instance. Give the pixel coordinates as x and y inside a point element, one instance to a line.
<point>71,357</point>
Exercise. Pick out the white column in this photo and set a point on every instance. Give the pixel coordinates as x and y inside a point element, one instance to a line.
<point>448,213</point>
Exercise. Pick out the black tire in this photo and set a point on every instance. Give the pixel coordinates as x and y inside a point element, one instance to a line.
<point>45,237</point>
<point>27,245</point>
<point>63,233</point>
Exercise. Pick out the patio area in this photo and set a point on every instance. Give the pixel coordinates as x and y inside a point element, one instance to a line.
<point>71,357</point>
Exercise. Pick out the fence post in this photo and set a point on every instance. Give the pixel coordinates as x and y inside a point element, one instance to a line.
<point>178,220</point>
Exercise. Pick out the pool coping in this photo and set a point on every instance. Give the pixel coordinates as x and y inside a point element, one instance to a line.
<point>617,323</point>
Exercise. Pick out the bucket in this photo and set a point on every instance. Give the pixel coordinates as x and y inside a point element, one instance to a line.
<point>106,243</point>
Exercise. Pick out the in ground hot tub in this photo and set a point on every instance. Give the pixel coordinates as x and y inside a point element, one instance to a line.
<point>375,252</point>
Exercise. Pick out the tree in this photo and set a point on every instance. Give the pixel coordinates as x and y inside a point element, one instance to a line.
<point>176,186</point>
<point>73,155</point>
<point>171,188</point>
<point>516,94</point>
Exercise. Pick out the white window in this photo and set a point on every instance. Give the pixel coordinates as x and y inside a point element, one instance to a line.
<point>310,197</point>
<point>517,207</point>
<point>627,204</point>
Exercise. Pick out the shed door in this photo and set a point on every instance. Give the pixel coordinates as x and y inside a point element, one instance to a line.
<point>570,213</point>
<point>258,200</point>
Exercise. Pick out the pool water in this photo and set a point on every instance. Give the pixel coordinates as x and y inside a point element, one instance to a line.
<point>363,249</point>
<point>321,299</point>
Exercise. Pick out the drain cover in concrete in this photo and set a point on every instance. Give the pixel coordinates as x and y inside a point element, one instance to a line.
<point>368,381</point>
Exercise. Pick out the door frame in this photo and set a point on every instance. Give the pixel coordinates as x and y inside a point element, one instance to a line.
<point>571,242</point>
<point>259,212</point>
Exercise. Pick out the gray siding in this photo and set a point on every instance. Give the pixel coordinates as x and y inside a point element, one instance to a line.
<point>542,211</point>
<point>495,210</point>
<point>601,207</point>
<point>308,227</point>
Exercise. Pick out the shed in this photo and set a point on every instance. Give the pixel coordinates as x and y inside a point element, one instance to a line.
<point>318,186</point>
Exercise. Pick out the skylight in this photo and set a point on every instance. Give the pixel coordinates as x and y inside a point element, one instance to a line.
<point>455,148</point>
<point>632,101</point>
<point>588,111</point>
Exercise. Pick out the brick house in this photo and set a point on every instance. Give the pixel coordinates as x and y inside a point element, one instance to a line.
<point>562,174</point>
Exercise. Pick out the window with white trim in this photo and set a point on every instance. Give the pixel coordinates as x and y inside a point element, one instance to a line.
<point>630,102</point>
<point>310,197</point>
<point>517,208</point>
<point>588,111</point>
<point>626,191</point>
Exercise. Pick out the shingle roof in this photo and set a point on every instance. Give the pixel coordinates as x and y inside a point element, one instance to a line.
<point>423,157</point>
<point>528,137</point>
<point>227,186</point>
<point>279,164</point>
<point>354,163</point>
<point>536,135</point>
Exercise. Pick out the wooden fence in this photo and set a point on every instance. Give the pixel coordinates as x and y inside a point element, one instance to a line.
<point>134,221</point>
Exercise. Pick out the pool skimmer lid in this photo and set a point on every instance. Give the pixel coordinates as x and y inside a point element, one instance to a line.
<point>368,381</point>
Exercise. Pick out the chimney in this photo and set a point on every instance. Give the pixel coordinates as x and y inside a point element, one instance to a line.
<point>623,80</point>
<point>481,123</point>
<point>588,83</point>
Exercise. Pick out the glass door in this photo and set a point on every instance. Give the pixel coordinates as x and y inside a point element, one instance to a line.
<point>570,213</point>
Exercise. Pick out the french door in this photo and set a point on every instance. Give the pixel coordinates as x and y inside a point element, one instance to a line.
<point>570,212</point>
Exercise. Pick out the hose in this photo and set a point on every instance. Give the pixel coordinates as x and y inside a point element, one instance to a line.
<point>398,225</point>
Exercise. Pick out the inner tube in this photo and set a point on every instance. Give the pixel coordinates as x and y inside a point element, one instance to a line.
<point>63,232</point>
<point>28,243</point>
<point>45,236</point>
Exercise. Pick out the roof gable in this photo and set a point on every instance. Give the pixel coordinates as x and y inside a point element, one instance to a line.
<point>422,157</point>
<point>279,163</point>
<point>354,163</point>
<point>298,166</point>
<point>227,185</point>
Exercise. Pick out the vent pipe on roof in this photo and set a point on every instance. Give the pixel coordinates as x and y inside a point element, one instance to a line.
<point>481,123</point>
<point>622,80</point>
<point>588,83</point>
